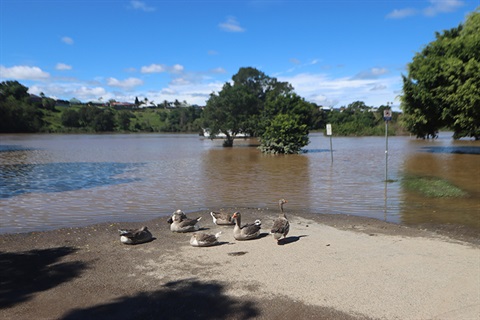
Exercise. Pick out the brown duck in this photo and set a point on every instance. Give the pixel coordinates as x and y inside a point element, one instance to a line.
<point>281,226</point>
<point>245,232</point>
<point>222,218</point>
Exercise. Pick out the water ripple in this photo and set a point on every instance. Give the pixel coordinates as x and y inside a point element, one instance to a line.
<point>18,179</point>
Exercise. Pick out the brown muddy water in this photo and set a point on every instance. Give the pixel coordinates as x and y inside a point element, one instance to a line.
<point>52,181</point>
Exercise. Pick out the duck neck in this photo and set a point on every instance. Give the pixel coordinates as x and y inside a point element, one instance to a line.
<point>237,221</point>
<point>282,213</point>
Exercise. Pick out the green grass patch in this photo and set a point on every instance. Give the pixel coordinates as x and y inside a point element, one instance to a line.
<point>433,187</point>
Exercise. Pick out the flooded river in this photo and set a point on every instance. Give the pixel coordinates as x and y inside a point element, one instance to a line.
<point>52,181</point>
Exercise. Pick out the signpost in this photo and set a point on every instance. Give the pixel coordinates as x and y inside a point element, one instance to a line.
<point>387,116</point>
<point>329,133</point>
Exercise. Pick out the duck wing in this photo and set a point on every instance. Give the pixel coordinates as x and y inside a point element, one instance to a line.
<point>136,235</point>
<point>188,222</point>
<point>205,237</point>
<point>251,228</point>
<point>281,225</point>
<point>222,218</point>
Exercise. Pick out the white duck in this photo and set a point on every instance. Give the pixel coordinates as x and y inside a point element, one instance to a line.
<point>222,218</point>
<point>182,224</point>
<point>281,225</point>
<point>246,232</point>
<point>202,239</point>
<point>135,236</point>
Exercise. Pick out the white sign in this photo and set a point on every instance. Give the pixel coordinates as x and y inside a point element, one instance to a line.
<point>329,129</point>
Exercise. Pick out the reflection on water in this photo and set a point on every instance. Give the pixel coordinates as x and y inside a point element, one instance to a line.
<point>18,179</point>
<point>248,178</point>
<point>457,164</point>
<point>50,181</point>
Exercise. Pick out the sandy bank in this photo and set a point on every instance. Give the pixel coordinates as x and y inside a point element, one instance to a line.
<point>330,267</point>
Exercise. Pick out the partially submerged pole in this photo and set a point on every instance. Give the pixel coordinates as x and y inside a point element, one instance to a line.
<point>387,116</point>
<point>329,133</point>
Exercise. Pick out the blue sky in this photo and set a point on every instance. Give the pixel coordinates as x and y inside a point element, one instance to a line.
<point>333,52</point>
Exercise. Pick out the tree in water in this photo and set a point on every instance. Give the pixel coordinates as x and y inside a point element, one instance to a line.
<point>240,106</point>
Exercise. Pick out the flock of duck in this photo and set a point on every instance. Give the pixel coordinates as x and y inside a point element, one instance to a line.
<point>179,222</point>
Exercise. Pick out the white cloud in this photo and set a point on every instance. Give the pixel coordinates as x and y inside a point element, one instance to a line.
<point>294,61</point>
<point>326,91</point>
<point>378,87</point>
<point>127,84</point>
<point>180,81</point>
<point>159,68</point>
<point>218,70</point>
<point>231,25</point>
<point>153,68</point>
<point>140,5</point>
<point>177,68</point>
<point>86,93</point>
<point>402,13</point>
<point>442,6</point>
<point>67,40</point>
<point>62,66</point>
<point>372,73</point>
<point>436,7</point>
<point>23,73</point>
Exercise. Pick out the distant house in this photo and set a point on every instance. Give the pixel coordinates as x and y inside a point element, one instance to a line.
<point>97,103</point>
<point>122,105</point>
<point>147,104</point>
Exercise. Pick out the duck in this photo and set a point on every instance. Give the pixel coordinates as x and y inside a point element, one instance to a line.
<point>281,225</point>
<point>222,218</point>
<point>182,224</point>
<point>178,212</point>
<point>246,232</point>
<point>202,239</point>
<point>135,236</point>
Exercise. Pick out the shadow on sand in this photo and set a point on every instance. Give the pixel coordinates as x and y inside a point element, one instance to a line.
<point>183,299</point>
<point>289,240</point>
<point>28,272</point>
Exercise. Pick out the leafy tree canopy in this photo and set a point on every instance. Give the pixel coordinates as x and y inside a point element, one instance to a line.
<point>239,106</point>
<point>442,88</point>
<point>259,105</point>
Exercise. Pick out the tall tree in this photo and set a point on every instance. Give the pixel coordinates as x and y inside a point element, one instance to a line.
<point>239,106</point>
<point>17,113</point>
<point>442,88</point>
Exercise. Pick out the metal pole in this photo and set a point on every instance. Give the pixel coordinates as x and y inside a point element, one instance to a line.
<point>386,151</point>
<point>331,150</point>
<point>387,116</point>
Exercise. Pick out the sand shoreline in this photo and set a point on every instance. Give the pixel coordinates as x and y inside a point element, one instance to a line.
<point>332,267</point>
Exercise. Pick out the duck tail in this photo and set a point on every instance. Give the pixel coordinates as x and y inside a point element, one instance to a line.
<point>217,235</point>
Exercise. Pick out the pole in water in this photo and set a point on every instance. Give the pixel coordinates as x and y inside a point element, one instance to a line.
<point>329,133</point>
<point>387,116</point>
<point>386,151</point>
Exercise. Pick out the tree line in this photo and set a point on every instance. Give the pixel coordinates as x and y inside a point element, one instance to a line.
<point>253,104</point>
<point>440,91</point>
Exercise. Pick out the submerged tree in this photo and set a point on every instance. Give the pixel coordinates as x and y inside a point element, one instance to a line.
<point>287,121</point>
<point>239,106</point>
<point>442,88</point>
<point>261,106</point>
